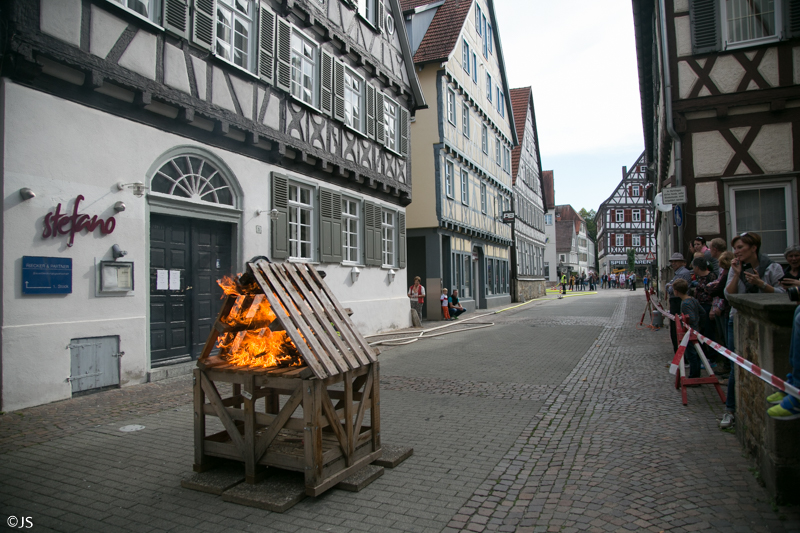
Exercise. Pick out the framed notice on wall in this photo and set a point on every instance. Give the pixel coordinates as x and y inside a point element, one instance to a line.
<point>46,275</point>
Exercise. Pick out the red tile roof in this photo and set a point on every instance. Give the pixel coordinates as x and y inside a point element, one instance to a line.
<point>549,189</point>
<point>442,34</point>
<point>519,103</point>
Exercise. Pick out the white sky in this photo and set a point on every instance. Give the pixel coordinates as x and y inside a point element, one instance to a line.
<point>580,59</point>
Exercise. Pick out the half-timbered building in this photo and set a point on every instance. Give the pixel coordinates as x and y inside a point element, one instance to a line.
<point>626,220</point>
<point>720,94</point>
<point>529,204</point>
<point>551,269</point>
<point>152,146</point>
<point>572,241</point>
<point>462,145</point>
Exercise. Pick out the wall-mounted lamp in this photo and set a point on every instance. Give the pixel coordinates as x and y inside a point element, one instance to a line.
<point>354,273</point>
<point>259,212</point>
<point>118,252</point>
<point>392,274</point>
<point>119,207</point>
<point>274,215</point>
<point>26,193</point>
<point>137,187</point>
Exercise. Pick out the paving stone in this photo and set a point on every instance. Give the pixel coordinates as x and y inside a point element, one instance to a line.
<point>217,480</point>
<point>279,492</point>
<point>361,479</point>
<point>393,455</point>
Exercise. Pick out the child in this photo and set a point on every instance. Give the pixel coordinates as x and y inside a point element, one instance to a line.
<point>445,306</point>
<point>694,316</point>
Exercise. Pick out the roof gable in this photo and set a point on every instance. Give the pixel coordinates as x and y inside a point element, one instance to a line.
<point>443,32</point>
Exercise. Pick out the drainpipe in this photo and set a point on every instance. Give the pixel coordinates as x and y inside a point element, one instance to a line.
<point>662,15</point>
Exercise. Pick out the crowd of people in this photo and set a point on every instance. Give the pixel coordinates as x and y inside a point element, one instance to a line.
<point>701,292</point>
<point>451,305</point>
<point>626,279</point>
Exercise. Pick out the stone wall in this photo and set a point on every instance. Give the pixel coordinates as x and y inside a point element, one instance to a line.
<point>763,329</point>
<point>529,289</point>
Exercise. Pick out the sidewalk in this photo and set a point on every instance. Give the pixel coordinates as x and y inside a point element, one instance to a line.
<point>561,417</point>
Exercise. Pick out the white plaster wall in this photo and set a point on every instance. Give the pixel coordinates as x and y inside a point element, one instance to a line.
<point>683,36</point>
<point>727,73</point>
<point>708,223</point>
<point>706,194</point>
<point>61,149</point>
<point>772,148</point>
<point>550,255</point>
<point>711,153</point>
<point>61,19</point>
<point>686,79</point>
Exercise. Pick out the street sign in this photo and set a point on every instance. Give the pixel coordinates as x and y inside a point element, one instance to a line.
<point>508,217</point>
<point>46,275</point>
<point>650,256</point>
<point>677,214</point>
<point>674,195</point>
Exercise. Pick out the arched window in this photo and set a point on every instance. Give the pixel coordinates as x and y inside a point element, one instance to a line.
<point>194,178</point>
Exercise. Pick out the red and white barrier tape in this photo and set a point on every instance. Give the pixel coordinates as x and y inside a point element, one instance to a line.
<point>739,360</point>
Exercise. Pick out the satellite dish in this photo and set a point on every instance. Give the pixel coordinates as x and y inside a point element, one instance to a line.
<point>660,205</point>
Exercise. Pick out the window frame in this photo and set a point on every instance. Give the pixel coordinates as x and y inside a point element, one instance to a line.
<point>485,139</point>
<point>451,106</point>
<point>348,217</point>
<point>367,5</point>
<point>362,129</point>
<point>465,57</point>
<point>252,52</point>
<point>388,228</point>
<point>619,215</point>
<point>297,206</point>
<point>489,87</point>
<point>387,101</point>
<point>498,151</point>
<point>464,186</point>
<point>636,240</point>
<point>483,198</point>
<point>788,184</point>
<point>619,239</point>
<point>449,179</point>
<point>316,67</point>
<point>157,11</point>
<point>636,215</point>
<point>465,120</point>
<point>733,45</point>
<point>635,191</point>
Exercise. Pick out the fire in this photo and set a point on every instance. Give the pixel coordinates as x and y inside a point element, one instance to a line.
<point>258,345</point>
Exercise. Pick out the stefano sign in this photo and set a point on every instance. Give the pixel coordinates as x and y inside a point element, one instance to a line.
<point>59,223</point>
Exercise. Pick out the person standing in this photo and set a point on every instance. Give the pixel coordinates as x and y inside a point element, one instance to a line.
<point>646,281</point>
<point>612,280</point>
<point>750,272</point>
<point>632,279</point>
<point>445,304</point>
<point>416,294</point>
<point>621,280</point>
<point>678,265</point>
<point>563,285</point>
<point>699,246</point>
<point>791,272</point>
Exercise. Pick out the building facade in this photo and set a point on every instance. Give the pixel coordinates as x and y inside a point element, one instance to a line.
<point>572,242</point>
<point>529,204</point>
<point>152,147</point>
<point>462,145</point>
<point>550,255</point>
<point>720,90</point>
<point>626,220</point>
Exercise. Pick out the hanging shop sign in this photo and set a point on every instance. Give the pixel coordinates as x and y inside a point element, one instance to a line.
<point>46,275</point>
<point>59,223</point>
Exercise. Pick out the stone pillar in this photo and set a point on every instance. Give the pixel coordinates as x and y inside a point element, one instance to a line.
<point>763,328</point>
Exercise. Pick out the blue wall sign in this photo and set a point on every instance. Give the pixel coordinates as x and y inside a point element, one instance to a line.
<point>677,214</point>
<point>46,275</point>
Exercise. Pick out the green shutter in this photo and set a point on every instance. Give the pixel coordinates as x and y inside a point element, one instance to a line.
<point>266,45</point>
<point>791,18</point>
<point>372,234</point>
<point>380,125</point>
<point>326,93</point>
<point>330,209</point>
<point>203,23</point>
<point>401,240</point>
<point>381,16</point>
<point>704,17</point>
<point>338,90</point>
<point>280,228</point>
<point>404,128</point>
<point>284,66</point>
<point>176,17</point>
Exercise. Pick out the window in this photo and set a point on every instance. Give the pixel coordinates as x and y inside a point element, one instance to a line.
<point>149,9</point>
<point>766,209</point>
<point>465,55</point>
<point>637,215</point>
<point>387,237</point>
<point>489,87</point>
<point>350,225</point>
<point>304,68</point>
<point>478,15</point>
<point>498,150</point>
<point>486,45</point>
<point>548,219</point>
<point>637,240</point>
<point>235,32</point>
<point>483,198</point>
<point>490,276</point>
<point>448,178</point>
<point>750,21</point>
<point>501,103</point>
<point>353,100</point>
<point>635,191</point>
<point>301,213</point>
<point>465,120</point>
<point>464,187</point>
<point>368,9</point>
<point>620,214</point>
<point>485,139</point>
<point>620,239</point>
<point>451,106</point>
<point>390,112</point>
<point>474,68</point>
<point>489,36</point>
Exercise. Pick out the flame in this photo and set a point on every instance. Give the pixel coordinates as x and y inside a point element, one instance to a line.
<point>257,346</point>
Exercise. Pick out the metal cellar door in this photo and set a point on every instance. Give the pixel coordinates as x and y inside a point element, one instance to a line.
<point>187,256</point>
<point>94,363</point>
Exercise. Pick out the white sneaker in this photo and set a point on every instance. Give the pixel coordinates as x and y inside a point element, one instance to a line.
<point>727,420</point>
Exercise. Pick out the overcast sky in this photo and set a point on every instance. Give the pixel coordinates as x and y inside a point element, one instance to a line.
<point>580,59</point>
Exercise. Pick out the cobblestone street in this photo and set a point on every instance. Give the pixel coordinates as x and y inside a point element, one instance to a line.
<point>560,417</point>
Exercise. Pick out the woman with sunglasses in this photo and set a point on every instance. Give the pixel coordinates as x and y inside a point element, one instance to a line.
<point>750,272</point>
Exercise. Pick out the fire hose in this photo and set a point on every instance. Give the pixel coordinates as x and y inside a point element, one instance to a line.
<point>738,359</point>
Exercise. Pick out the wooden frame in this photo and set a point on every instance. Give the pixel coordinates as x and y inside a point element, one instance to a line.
<point>327,442</point>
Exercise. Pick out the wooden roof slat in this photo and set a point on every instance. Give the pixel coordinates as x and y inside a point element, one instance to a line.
<point>290,323</point>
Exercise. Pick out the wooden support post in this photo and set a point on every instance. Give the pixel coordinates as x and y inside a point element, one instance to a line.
<point>348,414</point>
<point>311,433</point>
<point>201,461</point>
<point>375,411</point>
<point>272,402</point>
<point>250,475</point>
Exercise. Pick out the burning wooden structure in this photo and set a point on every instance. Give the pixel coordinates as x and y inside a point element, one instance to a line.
<point>281,332</point>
